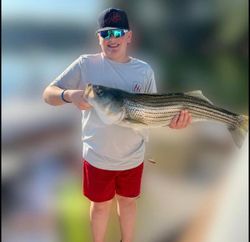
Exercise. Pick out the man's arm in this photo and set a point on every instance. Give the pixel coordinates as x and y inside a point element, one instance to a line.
<point>52,95</point>
<point>66,87</point>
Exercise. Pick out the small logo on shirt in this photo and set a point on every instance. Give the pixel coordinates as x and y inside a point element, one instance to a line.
<point>137,87</point>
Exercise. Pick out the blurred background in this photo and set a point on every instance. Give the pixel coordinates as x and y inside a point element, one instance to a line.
<point>191,44</point>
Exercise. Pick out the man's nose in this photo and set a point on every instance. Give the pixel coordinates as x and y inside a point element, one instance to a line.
<point>112,37</point>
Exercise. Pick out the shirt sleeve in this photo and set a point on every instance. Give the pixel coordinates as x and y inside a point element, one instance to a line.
<point>71,77</point>
<point>150,84</point>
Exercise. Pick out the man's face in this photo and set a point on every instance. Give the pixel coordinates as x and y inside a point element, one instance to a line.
<point>116,48</point>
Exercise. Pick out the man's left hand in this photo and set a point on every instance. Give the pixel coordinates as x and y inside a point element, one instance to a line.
<point>182,120</point>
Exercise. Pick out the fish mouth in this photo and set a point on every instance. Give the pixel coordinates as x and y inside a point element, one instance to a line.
<point>89,92</point>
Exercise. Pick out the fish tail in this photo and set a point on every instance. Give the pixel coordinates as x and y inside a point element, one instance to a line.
<point>239,132</point>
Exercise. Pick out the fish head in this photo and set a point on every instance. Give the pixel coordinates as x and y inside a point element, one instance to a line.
<point>106,101</point>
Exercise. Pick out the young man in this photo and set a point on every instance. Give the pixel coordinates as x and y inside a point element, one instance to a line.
<point>112,155</point>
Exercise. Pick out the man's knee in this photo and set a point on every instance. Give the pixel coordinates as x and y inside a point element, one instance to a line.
<point>100,206</point>
<point>126,201</point>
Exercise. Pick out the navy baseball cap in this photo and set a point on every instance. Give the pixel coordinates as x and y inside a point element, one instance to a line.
<point>112,18</point>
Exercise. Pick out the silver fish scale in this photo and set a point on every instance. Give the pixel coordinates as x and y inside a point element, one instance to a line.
<point>134,111</point>
<point>150,115</point>
<point>149,112</point>
<point>157,110</point>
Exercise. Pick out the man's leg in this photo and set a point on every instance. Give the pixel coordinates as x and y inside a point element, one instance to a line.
<point>126,209</point>
<point>99,215</point>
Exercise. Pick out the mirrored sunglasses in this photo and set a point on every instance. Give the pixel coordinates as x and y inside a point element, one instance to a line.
<point>117,33</point>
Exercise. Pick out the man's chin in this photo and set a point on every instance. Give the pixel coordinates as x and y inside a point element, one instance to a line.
<point>113,55</point>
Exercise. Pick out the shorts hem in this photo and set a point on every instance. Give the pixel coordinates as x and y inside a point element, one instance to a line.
<point>128,196</point>
<point>98,200</point>
<point>112,168</point>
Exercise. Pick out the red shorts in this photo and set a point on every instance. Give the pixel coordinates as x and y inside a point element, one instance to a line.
<point>101,185</point>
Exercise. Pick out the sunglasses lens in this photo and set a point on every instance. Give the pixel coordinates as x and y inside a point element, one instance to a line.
<point>105,34</point>
<point>117,33</point>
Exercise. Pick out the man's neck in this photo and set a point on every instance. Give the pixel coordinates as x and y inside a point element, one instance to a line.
<point>124,59</point>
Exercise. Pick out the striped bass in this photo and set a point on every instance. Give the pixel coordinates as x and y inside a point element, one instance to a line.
<point>136,110</point>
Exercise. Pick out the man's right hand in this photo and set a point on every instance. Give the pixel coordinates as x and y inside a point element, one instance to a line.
<point>77,98</point>
<point>52,95</point>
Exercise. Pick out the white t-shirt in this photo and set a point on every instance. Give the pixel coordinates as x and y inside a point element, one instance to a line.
<point>109,147</point>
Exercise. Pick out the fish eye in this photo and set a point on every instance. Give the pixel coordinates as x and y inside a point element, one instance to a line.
<point>99,91</point>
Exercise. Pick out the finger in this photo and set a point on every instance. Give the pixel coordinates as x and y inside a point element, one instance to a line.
<point>188,121</point>
<point>185,120</point>
<point>181,117</point>
<point>84,106</point>
<point>81,105</point>
<point>174,121</point>
<point>180,120</point>
<point>84,103</point>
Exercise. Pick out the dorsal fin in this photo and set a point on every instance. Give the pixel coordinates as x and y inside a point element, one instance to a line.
<point>199,94</point>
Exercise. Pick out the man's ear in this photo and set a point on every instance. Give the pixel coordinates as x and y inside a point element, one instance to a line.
<point>129,37</point>
<point>98,38</point>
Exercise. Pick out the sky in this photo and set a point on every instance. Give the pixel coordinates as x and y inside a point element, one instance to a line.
<point>51,10</point>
